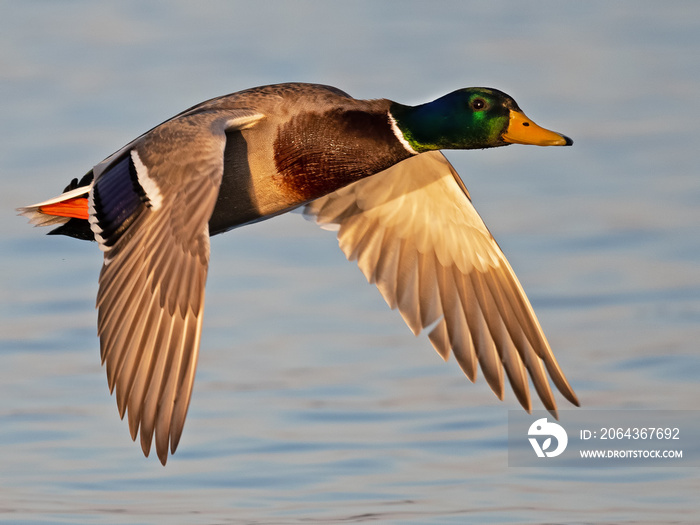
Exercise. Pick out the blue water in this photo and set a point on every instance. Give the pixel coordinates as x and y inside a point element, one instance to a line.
<point>313,402</point>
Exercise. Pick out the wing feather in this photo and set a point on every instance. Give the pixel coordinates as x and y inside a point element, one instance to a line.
<point>408,295</point>
<point>414,231</point>
<point>151,295</point>
<point>440,340</point>
<point>428,292</point>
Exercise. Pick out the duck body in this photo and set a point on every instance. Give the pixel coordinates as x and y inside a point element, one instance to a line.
<point>370,168</point>
<point>312,140</point>
<point>320,139</point>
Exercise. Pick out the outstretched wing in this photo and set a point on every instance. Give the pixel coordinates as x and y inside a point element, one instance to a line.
<point>415,233</point>
<point>149,209</point>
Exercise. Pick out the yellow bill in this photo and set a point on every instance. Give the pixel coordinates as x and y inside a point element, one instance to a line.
<point>522,130</point>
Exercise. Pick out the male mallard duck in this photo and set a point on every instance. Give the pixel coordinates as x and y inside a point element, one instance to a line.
<point>371,168</point>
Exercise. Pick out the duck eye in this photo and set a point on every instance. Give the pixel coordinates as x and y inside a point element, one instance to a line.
<point>478,104</point>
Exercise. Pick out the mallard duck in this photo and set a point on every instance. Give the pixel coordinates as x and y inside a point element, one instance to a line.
<point>370,168</point>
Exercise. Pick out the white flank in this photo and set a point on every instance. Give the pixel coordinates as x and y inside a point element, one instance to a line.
<point>399,134</point>
<point>150,187</point>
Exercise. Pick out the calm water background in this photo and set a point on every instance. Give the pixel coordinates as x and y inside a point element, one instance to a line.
<point>313,402</point>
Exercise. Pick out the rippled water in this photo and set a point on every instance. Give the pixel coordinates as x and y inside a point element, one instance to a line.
<point>313,402</point>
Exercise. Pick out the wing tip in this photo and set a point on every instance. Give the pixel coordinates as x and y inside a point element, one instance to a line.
<point>572,397</point>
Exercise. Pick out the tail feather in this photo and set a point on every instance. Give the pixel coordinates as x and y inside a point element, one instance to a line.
<point>35,211</point>
<point>69,210</point>
<point>38,218</point>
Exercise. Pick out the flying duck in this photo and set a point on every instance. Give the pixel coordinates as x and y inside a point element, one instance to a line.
<point>371,169</point>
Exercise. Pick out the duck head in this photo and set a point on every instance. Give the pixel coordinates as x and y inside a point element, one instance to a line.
<point>471,118</point>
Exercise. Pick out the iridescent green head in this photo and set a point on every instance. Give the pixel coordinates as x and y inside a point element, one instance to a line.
<point>470,118</point>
